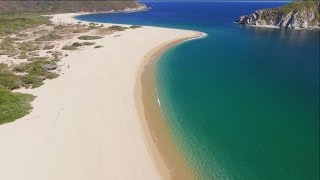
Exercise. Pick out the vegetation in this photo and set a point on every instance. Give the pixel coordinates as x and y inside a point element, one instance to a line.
<point>75,45</point>
<point>93,26</point>
<point>50,6</point>
<point>135,27</point>
<point>23,55</point>
<point>298,5</point>
<point>8,79</point>
<point>28,46</point>
<point>13,105</point>
<point>117,28</point>
<point>98,46</point>
<point>52,36</point>
<point>15,22</point>
<point>17,40</point>
<point>7,47</point>
<point>48,46</point>
<point>86,37</point>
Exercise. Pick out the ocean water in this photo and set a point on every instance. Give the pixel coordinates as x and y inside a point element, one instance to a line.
<point>242,103</point>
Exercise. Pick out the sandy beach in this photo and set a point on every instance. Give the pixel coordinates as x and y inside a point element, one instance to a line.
<point>90,123</point>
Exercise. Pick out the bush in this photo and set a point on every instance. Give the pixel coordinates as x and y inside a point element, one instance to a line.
<point>88,43</point>
<point>75,45</point>
<point>117,28</point>
<point>98,46</point>
<point>135,27</point>
<point>66,47</point>
<point>86,37</point>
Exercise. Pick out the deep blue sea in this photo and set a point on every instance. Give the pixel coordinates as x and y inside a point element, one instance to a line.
<point>242,103</point>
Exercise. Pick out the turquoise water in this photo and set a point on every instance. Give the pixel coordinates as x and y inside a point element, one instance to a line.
<point>242,103</point>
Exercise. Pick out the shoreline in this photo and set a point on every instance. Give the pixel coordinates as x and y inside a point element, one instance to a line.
<point>85,124</point>
<point>170,163</point>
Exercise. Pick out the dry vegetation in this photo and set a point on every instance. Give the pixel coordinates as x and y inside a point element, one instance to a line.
<point>31,48</point>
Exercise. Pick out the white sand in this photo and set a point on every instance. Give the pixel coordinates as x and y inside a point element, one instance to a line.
<point>85,124</point>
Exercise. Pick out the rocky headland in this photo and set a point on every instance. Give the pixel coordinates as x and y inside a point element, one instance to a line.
<point>295,15</point>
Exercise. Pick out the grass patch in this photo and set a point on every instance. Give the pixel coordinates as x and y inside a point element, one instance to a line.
<point>36,73</point>
<point>14,22</point>
<point>89,37</point>
<point>52,36</point>
<point>32,81</point>
<point>88,43</point>
<point>93,26</point>
<point>23,55</point>
<point>135,27</point>
<point>7,47</point>
<point>8,79</point>
<point>13,105</point>
<point>37,59</point>
<point>98,46</point>
<point>69,48</point>
<point>40,32</point>
<point>75,45</point>
<point>28,46</point>
<point>117,28</point>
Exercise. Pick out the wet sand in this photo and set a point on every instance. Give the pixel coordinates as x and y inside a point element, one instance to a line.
<point>162,147</point>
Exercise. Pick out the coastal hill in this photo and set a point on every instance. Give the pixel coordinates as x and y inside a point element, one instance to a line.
<point>68,6</point>
<point>295,15</point>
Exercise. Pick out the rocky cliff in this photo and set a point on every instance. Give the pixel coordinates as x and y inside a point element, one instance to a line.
<point>295,15</point>
<point>64,6</point>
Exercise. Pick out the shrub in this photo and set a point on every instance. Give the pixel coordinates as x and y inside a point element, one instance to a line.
<point>52,75</point>
<point>75,45</point>
<point>86,37</point>
<point>66,47</point>
<point>88,43</point>
<point>135,27</point>
<point>117,28</point>
<point>98,46</point>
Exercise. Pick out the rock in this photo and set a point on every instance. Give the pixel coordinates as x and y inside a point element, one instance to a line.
<point>49,67</point>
